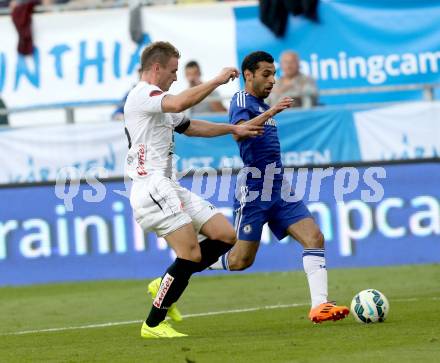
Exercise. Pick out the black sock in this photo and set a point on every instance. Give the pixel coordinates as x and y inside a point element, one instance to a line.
<point>172,286</point>
<point>211,250</point>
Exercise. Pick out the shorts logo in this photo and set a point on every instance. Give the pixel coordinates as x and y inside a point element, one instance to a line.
<point>163,289</point>
<point>247,228</point>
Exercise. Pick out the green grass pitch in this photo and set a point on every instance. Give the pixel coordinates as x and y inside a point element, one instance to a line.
<point>231,333</point>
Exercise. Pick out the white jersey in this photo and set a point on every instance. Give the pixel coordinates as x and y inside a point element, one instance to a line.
<point>150,133</point>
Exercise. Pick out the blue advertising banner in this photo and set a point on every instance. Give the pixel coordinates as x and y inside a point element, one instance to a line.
<point>382,215</point>
<point>319,136</point>
<point>306,136</point>
<point>355,43</point>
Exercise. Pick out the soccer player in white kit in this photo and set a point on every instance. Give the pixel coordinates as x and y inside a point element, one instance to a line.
<point>159,203</point>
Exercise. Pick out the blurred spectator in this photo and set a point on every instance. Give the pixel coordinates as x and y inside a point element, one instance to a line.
<point>135,25</point>
<point>3,114</point>
<point>106,3</point>
<point>194,1</point>
<point>21,14</point>
<point>118,114</point>
<point>14,3</point>
<point>293,83</point>
<point>213,102</point>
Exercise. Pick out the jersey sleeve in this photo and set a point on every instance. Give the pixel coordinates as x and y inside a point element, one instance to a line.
<point>238,110</point>
<point>149,99</point>
<point>180,122</point>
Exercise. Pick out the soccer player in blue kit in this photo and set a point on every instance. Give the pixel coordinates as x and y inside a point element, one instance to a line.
<point>261,158</point>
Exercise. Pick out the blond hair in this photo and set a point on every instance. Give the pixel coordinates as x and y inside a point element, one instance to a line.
<point>158,52</point>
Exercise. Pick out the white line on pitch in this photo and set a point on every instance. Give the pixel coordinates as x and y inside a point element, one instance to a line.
<point>233,311</point>
<point>103,325</point>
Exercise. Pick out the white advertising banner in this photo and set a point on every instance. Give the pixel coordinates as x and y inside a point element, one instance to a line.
<point>88,56</point>
<point>403,131</point>
<point>39,154</point>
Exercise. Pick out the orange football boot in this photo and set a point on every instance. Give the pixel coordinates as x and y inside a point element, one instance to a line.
<point>328,311</point>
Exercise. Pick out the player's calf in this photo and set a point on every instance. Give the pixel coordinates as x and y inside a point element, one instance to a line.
<point>211,250</point>
<point>240,262</point>
<point>171,287</point>
<point>240,257</point>
<point>218,228</point>
<point>221,238</point>
<point>313,240</point>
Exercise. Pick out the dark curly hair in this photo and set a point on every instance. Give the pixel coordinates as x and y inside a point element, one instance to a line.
<point>250,62</point>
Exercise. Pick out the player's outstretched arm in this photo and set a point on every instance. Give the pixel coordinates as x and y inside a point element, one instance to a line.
<point>194,95</point>
<point>281,105</point>
<point>211,129</point>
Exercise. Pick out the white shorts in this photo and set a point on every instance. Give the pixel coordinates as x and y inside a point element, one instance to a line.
<point>161,205</point>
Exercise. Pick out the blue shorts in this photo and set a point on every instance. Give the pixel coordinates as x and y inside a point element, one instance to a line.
<point>250,217</point>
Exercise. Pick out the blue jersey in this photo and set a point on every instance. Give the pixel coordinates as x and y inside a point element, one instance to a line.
<point>262,150</point>
<point>251,214</point>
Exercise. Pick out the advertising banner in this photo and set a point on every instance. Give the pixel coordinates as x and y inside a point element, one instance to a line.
<point>384,215</point>
<point>88,56</point>
<point>307,137</point>
<point>355,44</point>
<point>36,155</point>
<point>41,154</point>
<point>399,132</point>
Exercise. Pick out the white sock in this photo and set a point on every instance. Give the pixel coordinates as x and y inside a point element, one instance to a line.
<point>314,267</point>
<point>221,264</point>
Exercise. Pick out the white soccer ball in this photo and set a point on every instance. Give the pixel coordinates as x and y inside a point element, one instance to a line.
<point>370,306</point>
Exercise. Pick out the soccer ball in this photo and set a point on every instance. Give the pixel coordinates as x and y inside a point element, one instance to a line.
<point>370,306</point>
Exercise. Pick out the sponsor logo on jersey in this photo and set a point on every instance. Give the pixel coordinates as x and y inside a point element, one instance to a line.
<point>141,161</point>
<point>163,289</point>
<point>271,122</point>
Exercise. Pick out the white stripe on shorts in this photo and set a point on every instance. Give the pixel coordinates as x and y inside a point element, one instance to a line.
<point>238,217</point>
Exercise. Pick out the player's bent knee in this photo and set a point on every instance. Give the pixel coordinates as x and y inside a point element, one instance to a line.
<point>316,240</point>
<point>240,263</point>
<point>195,256</point>
<point>192,253</point>
<point>228,235</point>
